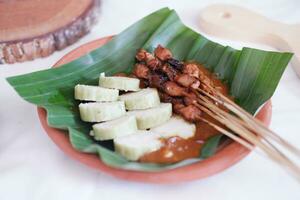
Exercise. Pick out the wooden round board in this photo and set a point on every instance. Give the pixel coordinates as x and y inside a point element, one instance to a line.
<point>31,29</point>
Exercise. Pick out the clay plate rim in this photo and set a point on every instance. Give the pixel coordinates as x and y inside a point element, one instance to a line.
<point>222,160</point>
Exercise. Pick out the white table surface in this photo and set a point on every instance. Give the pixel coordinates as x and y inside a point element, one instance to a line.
<point>32,167</point>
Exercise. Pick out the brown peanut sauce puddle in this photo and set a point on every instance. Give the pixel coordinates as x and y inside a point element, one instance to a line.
<point>176,149</point>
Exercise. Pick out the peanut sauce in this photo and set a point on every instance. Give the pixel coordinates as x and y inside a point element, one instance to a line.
<point>176,149</point>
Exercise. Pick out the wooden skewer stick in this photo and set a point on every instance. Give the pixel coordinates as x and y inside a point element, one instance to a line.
<point>229,134</point>
<point>248,130</point>
<point>253,123</point>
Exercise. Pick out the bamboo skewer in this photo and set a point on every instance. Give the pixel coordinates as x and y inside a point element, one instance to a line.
<point>253,123</point>
<point>245,129</point>
<point>229,134</point>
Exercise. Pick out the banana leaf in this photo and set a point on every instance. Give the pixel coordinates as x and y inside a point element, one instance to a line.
<point>251,74</point>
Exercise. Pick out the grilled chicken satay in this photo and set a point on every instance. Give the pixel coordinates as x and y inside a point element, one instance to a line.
<point>169,79</point>
<point>151,61</point>
<point>162,53</point>
<point>190,113</point>
<point>143,71</point>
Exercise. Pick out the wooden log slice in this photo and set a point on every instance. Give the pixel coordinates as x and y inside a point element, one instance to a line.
<point>32,29</point>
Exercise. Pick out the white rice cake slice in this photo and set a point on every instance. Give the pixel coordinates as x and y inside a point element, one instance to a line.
<point>101,111</point>
<point>143,99</point>
<point>108,130</point>
<point>95,93</point>
<point>152,117</point>
<point>176,126</point>
<point>132,147</point>
<point>120,83</point>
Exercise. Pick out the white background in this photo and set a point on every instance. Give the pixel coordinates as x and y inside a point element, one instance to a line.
<point>32,167</point>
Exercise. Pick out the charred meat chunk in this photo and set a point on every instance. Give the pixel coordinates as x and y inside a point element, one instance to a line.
<point>173,89</point>
<point>190,113</point>
<point>176,64</point>
<point>153,64</point>
<point>190,98</point>
<point>162,53</point>
<point>177,107</point>
<point>168,99</point>
<point>187,81</point>
<point>157,80</point>
<point>169,71</point>
<point>191,69</point>
<point>141,71</point>
<point>142,55</point>
<point>165,97</point>
<point>144,83</point>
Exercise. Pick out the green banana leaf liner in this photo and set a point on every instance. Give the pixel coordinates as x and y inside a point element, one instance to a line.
<point>251,74</point>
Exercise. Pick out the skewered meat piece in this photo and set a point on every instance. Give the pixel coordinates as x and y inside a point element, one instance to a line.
<point>157,80</point>
<point>177,107</point>
<point>191,69</point>
<point>164,97</point>
<point>207,83</point>
<point>141,71</point>
<point>173,89</point>
<point>176,64</point>
<point>187,81</point>
<point>153,64</point>
<point>206,80</point>
<point>162,53</point>
<point>169,71</point>
<point>144,83</point>
<point>190,98</point>
<point>142,55</point>
<point>168,99</point>
<point>190,113</point>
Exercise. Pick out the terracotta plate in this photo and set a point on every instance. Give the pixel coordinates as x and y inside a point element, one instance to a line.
<point>225,158</point>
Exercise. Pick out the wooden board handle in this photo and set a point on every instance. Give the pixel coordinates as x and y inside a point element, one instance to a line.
<point>237,23</point>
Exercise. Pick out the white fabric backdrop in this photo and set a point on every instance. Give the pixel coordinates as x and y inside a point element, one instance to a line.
<point>32,167</point>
